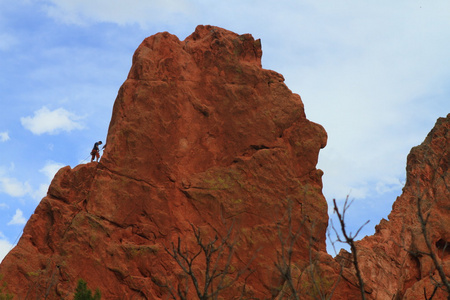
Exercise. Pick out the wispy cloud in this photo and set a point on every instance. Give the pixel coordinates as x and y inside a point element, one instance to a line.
<point>51,122</point>
<point>17,189</point>
<point>4,136</point>
<point>41,192</point>
<point>18,218</point>
<point>50,169</point>
<point>14,187</point>
<point>83,12</point>
<point>5,247</point>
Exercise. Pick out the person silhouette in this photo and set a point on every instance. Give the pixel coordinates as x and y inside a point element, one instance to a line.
<point>96,151</point>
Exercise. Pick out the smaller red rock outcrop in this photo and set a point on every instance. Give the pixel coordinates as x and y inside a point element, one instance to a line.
<point>394,261</point>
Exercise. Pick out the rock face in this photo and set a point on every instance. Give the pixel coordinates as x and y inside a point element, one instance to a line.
<point>208,149</point>
<point>200,137</point>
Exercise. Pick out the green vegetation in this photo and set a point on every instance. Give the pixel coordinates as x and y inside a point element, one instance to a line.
<point>4,295</point>
<point>317,284</point>
<point>140,250</point>
<point>223,179</point>
<point>83,293</point>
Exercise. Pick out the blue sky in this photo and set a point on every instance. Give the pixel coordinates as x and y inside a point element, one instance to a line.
<point>375,74</point>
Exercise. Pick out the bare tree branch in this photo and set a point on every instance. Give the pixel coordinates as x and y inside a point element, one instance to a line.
<point>350,240</point>
<point>423,225</point>
<point>217,274</point>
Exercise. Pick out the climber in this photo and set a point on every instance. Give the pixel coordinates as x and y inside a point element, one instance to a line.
<point>95,151</point>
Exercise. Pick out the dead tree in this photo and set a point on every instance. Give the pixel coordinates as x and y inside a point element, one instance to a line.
<point>217,272</point>
<point>350,240</point>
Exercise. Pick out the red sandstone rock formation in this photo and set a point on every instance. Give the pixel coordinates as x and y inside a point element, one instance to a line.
<point>200,134</point>
<point>202,137</point>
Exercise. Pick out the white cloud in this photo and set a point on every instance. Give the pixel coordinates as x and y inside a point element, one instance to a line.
<point>50,169</point>
<point>4,136</point>
<point>18,218</point>
<point>5,246</point>
<point>3,205</point>
<point>387,185</point>
<point>14,187</point>
<point>41,192</point>
<point>51,122</point>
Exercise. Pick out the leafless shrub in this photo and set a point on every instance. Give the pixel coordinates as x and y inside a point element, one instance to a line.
<point>217,272</point>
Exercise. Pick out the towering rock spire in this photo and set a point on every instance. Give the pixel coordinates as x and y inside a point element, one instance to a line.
<point>201,136</point>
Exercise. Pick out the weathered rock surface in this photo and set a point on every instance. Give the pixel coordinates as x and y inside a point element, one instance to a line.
<point>200,134</point>
<point>203,137</point>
